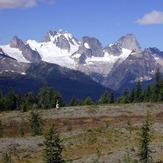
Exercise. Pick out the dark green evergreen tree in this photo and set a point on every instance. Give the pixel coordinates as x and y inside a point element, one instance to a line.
<point>157,86</point>
<point>51,93</point>
<point>6,157</point>
<point>145,140</point>
<point>1,101</point>
<point>132,95</point>
<point>112,100</point>
<point>73,102</point>
<point>43,97</point>
<point>36,123</point>
<point>24,107</point>
<point>57,97</point>
<point>53,147</point>
<point>138,92</point>
<point>104,98</point>
<point>10,101</point>
<point>88,101</point>
<point>147,94</point>
<point>161,90</point>
<point>1,129</point>
<point>125,96</point>
<point>19,101</point>
<point>157,76</point>
<point>47,97</point>
<point>30,100</point>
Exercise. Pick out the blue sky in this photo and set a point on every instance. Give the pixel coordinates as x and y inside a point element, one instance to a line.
<point>107,20</point>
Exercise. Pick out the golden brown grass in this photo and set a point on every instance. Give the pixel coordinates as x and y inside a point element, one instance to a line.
<point>110,129</point>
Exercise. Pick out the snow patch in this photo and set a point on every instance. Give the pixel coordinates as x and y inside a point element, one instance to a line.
<point>23,73</point>
<point>86,45</point>
<point>14,53</point>
<point>110,58</point>
<point>125,53</point>
<point>77,55</point>
<point>110,45</point>
<point>49,52</point>
<point>9,71</point>
<point>155,57</point>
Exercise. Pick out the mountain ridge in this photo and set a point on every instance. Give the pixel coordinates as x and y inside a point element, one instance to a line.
<point>70,83</point>
<point>106,65</point>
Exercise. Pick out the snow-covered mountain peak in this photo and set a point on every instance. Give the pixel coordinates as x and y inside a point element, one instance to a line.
<point>88,55</point>
<point>126,42</point>
<point>62,32</point>
<point>48,35</point>
<point>61,39</point>
<point>54,35</point>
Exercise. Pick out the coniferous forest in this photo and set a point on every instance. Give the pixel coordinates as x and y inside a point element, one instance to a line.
<point>47,97</point>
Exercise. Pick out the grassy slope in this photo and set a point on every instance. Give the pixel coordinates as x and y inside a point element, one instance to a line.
<point>112,130</point>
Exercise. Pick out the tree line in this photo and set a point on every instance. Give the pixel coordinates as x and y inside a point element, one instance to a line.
<point>152,93</point>
<point>47,97</point>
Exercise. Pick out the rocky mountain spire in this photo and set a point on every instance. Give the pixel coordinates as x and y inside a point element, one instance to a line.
<point>17,43</point>
<point>129,42</point>
<point>28,53</point>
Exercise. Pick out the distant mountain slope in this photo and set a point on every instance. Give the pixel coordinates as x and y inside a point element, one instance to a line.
<point>69,82</point>
<point>137,67</point>
<point>20,83</point>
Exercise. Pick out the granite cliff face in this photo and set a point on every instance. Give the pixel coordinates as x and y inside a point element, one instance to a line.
<point>88,48</point>
<point>127,42</point>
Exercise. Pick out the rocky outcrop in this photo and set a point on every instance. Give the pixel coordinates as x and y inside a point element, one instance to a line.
<point>89,47</point>
<point>137,67</point>
<point>48,35</point>
<point>153,51</point>
<point>10,64</point>
<point>127,42</point>
<point>28,53</point>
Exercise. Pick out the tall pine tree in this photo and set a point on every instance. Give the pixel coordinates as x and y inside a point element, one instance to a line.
<point>145,140</point>
<point>36,123</point>
<point>105,98</point>
<point>138,92</point>
<point>53,147</point>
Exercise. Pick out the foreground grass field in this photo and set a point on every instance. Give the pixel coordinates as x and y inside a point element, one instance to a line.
<point>106,133</point>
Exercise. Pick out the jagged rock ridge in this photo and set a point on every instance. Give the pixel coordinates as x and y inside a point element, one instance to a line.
<point>113,65</point>
<point>28,53</point>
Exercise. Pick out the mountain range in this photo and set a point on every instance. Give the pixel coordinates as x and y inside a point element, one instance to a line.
<point>61,58</point>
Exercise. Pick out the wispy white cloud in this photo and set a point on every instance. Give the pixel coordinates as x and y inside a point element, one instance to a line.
<point>155,17</point>
<point>4,4</point>
<point>17,3</point>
